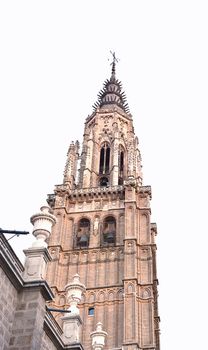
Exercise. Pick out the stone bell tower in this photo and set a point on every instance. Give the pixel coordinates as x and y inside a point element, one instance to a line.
<point>104,231</point>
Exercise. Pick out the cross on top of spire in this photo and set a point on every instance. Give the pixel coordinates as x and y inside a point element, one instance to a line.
<point>113,63</point>
<point>111,93</point>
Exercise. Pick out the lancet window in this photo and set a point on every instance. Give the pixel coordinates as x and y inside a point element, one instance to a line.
<point>104,159</point>
<point>83,233</point>
<point>120,165</point>
<point>109,230</point>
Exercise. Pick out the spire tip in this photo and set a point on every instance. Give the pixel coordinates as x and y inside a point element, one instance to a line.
<point>113,64</point>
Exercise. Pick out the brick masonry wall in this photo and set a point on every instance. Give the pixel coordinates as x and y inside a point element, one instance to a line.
<point>8,301</point>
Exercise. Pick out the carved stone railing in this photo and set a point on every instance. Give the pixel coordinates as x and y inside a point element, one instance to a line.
<point>96,190</point>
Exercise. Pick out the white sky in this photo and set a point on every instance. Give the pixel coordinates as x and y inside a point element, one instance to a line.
<point>53,62</point>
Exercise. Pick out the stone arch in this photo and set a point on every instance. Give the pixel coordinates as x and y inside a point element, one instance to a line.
<point>120,294</point>
<point>111,295</point>
<point>102,255</point>
<point>91,298</point>
<point>101,296</point>
<point>105,155</point>
<point>130,288</point>
<point>83,232</point>
<point>108,234</point>
<point>146,293</point>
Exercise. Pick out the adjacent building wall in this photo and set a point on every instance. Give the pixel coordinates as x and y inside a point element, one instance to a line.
<point>8,303</point>
<point>24,322</point>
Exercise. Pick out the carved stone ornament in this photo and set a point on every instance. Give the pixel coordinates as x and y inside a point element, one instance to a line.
<point>131,181</point>
<point>96,226</point>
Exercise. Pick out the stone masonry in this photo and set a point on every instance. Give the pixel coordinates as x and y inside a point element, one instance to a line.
<point>25,323</point>
<point>8,302</point>
<point>89,281</point>
<point>103,229</point>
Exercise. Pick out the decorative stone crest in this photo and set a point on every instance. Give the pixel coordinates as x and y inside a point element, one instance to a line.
<point>74,291</point>
<point>72,321</point>
<point>131,181</point>
<point>42,222</point>
<point>37,256</point>
<point>98,337</point>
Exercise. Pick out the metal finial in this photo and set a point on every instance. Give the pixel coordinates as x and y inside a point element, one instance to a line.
<point>113,63</point>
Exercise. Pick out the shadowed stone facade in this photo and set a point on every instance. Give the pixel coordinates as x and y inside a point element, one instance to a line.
<point>25,322</point>
<point>104,231</point>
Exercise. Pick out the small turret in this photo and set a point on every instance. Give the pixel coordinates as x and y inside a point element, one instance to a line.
<point>71,164</point>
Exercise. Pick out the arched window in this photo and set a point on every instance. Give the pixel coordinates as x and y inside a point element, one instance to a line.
<point>120,165</point>
<point>83,233</point>
<point>104,182</point>
<point>109,230</point>
<point>104,159</point>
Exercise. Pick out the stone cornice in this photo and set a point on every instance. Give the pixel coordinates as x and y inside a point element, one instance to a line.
<point>41,285</point>
<point>10,263</point>
<point>113,109</point>
<point>54,332</point>
<point>95,191</point>
<point>37,251</point>
<point>91,191</point>
<point>13,268</point>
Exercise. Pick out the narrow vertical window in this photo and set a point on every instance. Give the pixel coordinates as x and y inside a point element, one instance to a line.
<point>120,165</point>
<point>107,162</point>
<point>121,161</point>
<point>104,159</point>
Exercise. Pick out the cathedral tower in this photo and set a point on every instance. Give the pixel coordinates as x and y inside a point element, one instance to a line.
<point>104,231</point>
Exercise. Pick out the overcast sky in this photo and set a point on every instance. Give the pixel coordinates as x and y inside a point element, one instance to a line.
<point>53,62</point>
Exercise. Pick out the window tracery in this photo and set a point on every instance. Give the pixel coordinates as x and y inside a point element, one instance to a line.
<point>104,159</point>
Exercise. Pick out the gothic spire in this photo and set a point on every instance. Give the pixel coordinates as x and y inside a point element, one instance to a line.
<point>111,93</point>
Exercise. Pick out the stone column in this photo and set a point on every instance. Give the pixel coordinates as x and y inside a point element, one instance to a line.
<point>72,320</point>
<point>37,255</point>
<point>98,337</point>
<point>115,162</point>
